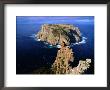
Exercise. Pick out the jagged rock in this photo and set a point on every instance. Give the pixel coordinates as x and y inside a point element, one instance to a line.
<point>61,64</point>
<point>64,56</point>
<point>82,66</point>
<point>56,33</point>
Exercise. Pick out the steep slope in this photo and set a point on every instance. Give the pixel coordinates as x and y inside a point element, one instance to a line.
<point>56,33</point>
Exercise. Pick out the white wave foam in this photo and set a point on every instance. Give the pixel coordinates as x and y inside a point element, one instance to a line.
<point>58,46</point>
<point>81,42</point>
<point>33,36</point>
<point>38,39</point>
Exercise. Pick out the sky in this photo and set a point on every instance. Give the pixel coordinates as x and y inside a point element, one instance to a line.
<point>53,19</point>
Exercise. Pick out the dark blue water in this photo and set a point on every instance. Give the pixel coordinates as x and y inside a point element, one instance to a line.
<point>32,54</point>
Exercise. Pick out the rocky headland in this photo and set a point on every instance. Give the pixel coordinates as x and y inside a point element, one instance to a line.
<point>57,33</point>
<point>62,63</point>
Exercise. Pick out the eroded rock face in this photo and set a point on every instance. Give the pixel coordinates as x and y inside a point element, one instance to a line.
<point>56,33</point>
<point>61,64</point>
<point>82,66</point>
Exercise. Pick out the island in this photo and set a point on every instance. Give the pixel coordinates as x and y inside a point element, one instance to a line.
<point>55,34</point>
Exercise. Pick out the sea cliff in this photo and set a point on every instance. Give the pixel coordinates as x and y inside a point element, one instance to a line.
<point>62,63</point>
<point>57,33</point>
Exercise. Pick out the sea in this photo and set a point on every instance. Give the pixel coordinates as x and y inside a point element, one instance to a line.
<point>32,54</point>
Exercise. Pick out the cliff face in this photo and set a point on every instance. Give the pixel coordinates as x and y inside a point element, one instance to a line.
<point>61,64</point>
<point>58,33</point>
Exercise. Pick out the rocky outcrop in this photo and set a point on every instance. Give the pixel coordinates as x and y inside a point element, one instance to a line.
<point>62,66</point>
<point>56,33</point>
<point>82,67</point>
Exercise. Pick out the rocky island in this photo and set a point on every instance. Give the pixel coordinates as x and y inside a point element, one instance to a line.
<point>64,35</point>
<point>55,34</point>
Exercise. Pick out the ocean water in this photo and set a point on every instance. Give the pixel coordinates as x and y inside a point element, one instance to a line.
<point>32,54</point>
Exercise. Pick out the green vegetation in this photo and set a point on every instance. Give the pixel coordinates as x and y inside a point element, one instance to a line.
<point>56,33</point>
